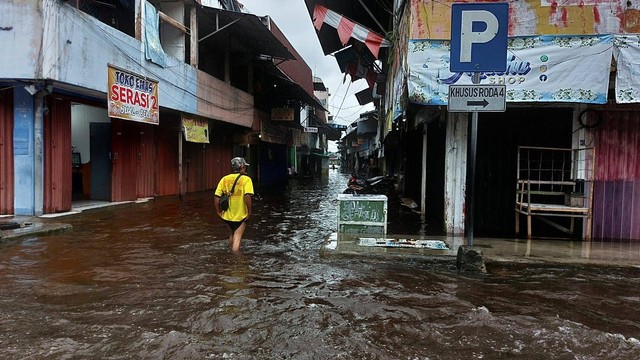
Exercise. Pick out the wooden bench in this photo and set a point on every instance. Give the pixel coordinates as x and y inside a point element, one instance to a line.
<point>545,188</point>
<point>551,206</point>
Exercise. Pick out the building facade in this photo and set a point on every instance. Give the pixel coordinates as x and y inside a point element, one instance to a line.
<point>119,100</point>
<point>570,84</point>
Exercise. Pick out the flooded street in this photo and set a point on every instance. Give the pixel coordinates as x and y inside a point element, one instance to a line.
<point>157,281</point>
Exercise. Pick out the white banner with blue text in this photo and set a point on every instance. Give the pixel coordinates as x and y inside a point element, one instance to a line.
<point>550,68</point>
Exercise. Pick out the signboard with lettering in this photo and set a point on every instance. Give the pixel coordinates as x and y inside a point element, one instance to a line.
<point>132,96</point>
<point>549,68</point>
<point>479,33</point>
<point>195,130</point>
<point>362,214</point>
<point>282,114</point>
<point>483,98</point>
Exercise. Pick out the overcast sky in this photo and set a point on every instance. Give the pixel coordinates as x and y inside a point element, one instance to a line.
<point>292,18</point>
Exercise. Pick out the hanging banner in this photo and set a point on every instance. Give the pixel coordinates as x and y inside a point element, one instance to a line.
<point>627,55</point>
<point>195,130</point>
<point>396,79</point>
<point>153,48</point>
<point>539,69</point>
<point>132,96</point>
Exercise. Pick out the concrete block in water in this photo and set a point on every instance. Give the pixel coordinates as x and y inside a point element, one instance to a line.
<point>470,259</point>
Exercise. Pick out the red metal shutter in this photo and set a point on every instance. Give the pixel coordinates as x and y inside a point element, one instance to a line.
<point>146,161</point>
<point>57,155</point>
<point>124,140</point>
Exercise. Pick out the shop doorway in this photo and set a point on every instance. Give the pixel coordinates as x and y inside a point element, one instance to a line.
<point>91,147</point>
<point>100,149</point>
<point>499,135</point>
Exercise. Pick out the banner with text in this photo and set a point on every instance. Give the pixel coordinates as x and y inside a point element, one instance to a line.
<point>195,130</point>
<point>539,69</point>
<point>132,96</point>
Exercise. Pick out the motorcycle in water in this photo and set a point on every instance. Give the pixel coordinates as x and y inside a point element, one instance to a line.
<point>381,185</point>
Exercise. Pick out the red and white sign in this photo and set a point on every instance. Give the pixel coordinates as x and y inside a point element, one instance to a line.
<point>132,96</point>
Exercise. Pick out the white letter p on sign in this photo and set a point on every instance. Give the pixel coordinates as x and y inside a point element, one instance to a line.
<point>470,37</point>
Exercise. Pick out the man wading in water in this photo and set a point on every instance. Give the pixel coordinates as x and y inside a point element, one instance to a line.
<point>240,201</point>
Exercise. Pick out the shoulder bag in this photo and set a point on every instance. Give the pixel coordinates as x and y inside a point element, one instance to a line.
<point>224,199</point>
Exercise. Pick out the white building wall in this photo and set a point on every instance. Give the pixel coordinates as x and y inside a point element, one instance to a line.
<point>50,39</point>
<point>81,48</point>
<point>20,39</point>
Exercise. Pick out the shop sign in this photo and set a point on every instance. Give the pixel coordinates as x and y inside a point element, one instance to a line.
<point>132,96</point>
<point>478,50</point>
<point>195,130</point>
<point>546,68</point>
<point>309,129</point>
<point>282,114</point>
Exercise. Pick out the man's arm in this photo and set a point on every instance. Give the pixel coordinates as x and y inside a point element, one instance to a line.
<point>216,204</point>
<point>248,201</point>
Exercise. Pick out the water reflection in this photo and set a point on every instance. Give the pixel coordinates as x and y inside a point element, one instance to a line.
<point>158,281</point>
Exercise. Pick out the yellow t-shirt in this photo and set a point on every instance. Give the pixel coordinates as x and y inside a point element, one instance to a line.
<point>237,209</point>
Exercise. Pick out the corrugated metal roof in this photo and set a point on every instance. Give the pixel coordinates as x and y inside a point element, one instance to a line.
<point>246,31</point>
<point>296,69</point>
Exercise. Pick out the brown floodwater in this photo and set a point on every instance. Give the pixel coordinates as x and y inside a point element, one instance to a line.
<point>157,281</point>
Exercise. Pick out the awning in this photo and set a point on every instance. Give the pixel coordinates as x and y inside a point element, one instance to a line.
<point>249,34</point>
<point>369,115</point>
<point>296,92</point>
<point>352,55</point>
<point>287,88</point>
<point>245,31</point>
<point>348,29</point>
<point>360,65</point>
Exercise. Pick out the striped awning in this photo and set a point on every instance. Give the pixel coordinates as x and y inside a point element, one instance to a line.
<point>348,29</point>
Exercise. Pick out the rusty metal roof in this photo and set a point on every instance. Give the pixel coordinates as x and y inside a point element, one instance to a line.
<point>245,33</point>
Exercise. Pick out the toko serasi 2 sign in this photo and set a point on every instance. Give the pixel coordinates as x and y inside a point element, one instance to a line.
<point>132,96</point>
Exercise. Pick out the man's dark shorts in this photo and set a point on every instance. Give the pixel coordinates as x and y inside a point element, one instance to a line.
<point>234,225</point>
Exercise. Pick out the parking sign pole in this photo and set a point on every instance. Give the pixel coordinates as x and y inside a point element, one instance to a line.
<point>479,34</point>
<point>472,168</point>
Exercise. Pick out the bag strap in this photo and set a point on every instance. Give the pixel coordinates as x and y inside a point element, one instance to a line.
<point>234,184</point>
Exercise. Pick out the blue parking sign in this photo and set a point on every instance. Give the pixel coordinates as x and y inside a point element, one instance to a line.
<point>479,33</point>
